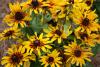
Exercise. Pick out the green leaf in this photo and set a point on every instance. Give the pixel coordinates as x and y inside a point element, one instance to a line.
<point>39,21</point>
<point>36,63</point>
<point>96,49</point>
<point>28,30</point>
<point>88,64</point>
<point>36,23</point>
<point>96,6</point>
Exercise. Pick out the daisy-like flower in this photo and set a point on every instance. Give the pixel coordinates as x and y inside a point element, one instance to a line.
<point>9,33</point>
<point>87,20</point>
<point>18,15</point>
<point>35,5</point>
<point>16,56</point>
<point>51,59</point>
<point>77,54</point>
<point>36,44</point>
<point>88,39</point>
<point>57,33</point>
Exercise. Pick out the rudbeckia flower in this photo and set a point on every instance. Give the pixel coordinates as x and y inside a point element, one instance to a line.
<point>77,54</point>
<point>86,20</point>
<point>35,5</point>
<point>57,33</point>
<point>51,59</point>
<point>9,33</point>
<point>16,56</point>
<point>88,39</point>
<point>37,44</point>
<point>18,15</point>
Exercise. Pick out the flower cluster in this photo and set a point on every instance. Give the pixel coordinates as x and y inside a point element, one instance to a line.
<point>54,33</point>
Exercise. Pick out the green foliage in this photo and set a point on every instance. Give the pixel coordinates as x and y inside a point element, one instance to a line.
<point>96,6</point>
<point>36,63</point>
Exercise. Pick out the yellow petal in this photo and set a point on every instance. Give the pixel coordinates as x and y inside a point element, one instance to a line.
<point>59,40</point>
<point>26,64</point>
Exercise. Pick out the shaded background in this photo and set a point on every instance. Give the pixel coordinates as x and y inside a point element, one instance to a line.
<point>3,10</point>
<point>4,44</point>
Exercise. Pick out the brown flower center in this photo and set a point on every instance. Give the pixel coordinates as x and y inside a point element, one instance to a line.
<point>77,53</point>
<point>9,33</point>
<point>19,16</point>
<point>50,59</point>
<point>88,3</point>
<point>84,35</point>
<point>16,58</point>
<point>35,3</point>
<point>58,32</point>
<point>85,22</point>
<point>71,1</point>
<point>37,43</point>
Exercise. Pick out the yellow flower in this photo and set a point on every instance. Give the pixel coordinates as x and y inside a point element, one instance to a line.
<point>36,44</point>
<point>9,33</point>
<point>56,8</point>
<point>86,20</point>
<point>51,59</point>
<point>57,33</point>
<point>18,15</point>
<point>34,5</point>
<point>77,54</point>
<point>88,39</point>
<point>16,56</point>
